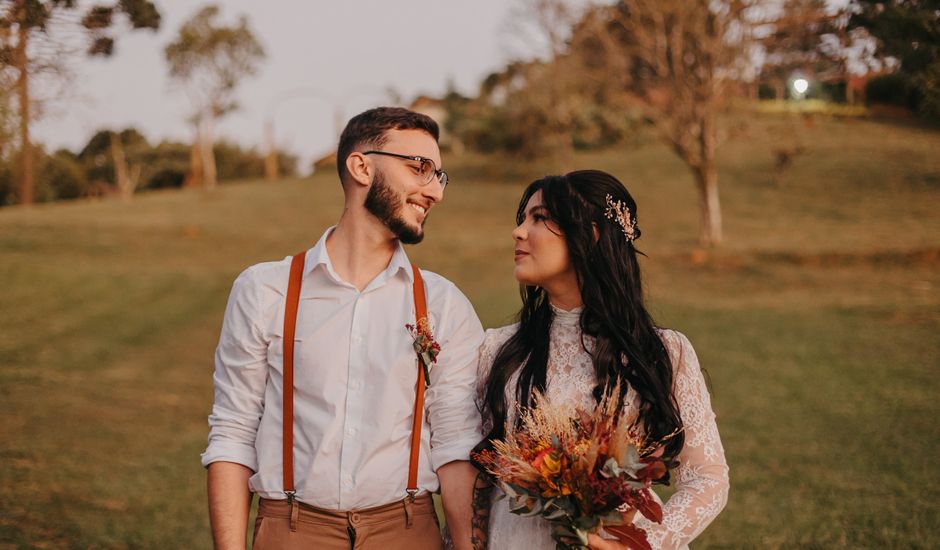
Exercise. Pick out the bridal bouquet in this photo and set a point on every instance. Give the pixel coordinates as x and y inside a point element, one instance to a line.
<point>578,470</point>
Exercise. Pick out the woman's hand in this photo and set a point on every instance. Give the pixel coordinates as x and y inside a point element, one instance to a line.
<point>597,543</point>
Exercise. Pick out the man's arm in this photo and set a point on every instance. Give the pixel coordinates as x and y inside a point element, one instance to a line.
<point>457,479</point>
<point>240,379</point>
<point>229,501</point>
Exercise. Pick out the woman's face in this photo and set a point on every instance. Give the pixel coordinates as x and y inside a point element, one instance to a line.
<point>541,253</point>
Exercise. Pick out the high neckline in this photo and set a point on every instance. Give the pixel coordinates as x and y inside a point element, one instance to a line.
<point>566,317</point>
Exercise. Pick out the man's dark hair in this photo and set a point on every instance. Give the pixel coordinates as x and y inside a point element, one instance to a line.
<point>368,129</point>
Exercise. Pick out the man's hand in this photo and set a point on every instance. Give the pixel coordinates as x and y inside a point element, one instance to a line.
<point>457,479</point>
<point>229,502</point>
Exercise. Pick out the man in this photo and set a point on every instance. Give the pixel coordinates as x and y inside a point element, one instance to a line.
<point>355,390</point>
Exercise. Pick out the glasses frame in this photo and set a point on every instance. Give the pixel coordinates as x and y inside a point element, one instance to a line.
<point>441,175</point>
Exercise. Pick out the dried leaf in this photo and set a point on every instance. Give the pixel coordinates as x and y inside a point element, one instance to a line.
<point>631,535</point>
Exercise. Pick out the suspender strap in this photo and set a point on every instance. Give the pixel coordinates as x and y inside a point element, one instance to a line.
<point>421,312</point>
<point>290,325</point>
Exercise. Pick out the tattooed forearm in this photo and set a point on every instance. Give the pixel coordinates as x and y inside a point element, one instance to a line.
<point>480,523</point>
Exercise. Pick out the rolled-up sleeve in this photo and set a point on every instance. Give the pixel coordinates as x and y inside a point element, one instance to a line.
<point>240,377</point>
<point>451,407</point>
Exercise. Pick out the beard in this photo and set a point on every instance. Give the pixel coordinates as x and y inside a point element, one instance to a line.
<point>384,204</point>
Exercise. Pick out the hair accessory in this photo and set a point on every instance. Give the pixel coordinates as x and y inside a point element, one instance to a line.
<point>620,213</point>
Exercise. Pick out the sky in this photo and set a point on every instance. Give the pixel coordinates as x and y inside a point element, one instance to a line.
<point>323,58</point>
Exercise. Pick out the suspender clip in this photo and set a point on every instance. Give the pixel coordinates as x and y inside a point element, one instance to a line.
<point>411,494</point>
<point>290,496</point>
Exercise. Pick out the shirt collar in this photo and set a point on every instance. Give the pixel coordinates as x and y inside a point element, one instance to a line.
<point>318,256</point>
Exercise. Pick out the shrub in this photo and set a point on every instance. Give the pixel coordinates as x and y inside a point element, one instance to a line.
<point>891,89</point>
<point>60,177</point>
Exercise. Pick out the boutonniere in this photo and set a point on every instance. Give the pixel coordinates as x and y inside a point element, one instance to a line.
<point>425,346</point>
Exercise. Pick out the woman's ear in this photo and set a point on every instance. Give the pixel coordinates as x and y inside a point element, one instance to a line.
<point>597,232</point>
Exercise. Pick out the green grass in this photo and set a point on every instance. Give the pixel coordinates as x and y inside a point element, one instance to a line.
<point>817,323</point>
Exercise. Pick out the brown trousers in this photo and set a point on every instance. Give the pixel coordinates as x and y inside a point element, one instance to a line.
<point>390,527</point>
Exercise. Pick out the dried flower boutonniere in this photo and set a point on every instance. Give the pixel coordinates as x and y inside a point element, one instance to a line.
<point>425,346</point>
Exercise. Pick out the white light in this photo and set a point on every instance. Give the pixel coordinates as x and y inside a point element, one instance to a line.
<point>800,85</point>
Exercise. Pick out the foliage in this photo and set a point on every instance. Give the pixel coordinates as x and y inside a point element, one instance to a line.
<point>96,156</point>
<point>803,38</point>
<point>91,172</point>
<point>210,59</point>
<point>19,62</point>
<point>61,177</point>
<point>236,162</point>
<point>908,30</point>
<point>544,107</point>
<point>892,89</point>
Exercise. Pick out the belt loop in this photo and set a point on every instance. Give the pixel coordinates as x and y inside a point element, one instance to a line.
<point>409,511</point>
<point>294,514</point>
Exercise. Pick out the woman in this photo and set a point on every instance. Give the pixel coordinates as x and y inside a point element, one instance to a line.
<point>582,326</point>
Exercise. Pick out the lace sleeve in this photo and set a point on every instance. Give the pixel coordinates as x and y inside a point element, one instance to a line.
<point>702,475</point>
<point>492,340</point>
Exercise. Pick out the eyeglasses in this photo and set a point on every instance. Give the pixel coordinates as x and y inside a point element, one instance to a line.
<point>427,169</point>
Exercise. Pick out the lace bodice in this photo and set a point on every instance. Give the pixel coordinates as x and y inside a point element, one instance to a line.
<point>701,479</point>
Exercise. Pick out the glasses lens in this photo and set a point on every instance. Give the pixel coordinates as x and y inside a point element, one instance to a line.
<point>427,170</point>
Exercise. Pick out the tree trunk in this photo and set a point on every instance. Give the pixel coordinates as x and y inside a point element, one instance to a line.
<point>706,180</point>
<point>22,88</point>
<point>780,89</point>
<point>194,179</point>
<point>270,159</point>
<point>121,176</point>
<point>209,174</point>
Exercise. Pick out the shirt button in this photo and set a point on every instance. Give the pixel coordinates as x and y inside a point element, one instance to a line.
<point>354,384</point>
<point>350,431</point>
<point>348,479</point>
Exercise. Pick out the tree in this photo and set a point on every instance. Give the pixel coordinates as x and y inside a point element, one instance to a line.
<point>678,59</point>
<point>210,60</point>
<point>22,20</point>
<point>908,30</point>
<point>803,38</point>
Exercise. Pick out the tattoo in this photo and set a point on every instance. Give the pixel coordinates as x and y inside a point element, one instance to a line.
<point>480,522</point>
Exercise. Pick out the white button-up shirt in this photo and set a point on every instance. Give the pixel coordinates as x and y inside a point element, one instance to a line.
<point>354,378</point>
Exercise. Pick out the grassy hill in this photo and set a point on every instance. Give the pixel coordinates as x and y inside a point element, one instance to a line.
<point>817,323</point>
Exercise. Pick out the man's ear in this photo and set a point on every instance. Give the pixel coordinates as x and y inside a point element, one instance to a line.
<point>359,168</point>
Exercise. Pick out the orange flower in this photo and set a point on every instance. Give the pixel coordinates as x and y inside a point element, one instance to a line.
<point>548,462</point>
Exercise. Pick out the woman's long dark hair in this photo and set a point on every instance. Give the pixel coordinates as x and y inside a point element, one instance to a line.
<point>608,274</point>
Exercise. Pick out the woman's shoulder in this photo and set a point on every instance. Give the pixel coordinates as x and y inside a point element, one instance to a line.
<point>675,342</point>
<point>493,338</point>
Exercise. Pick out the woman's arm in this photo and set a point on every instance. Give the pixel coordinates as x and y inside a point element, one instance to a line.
<point>480,521</point>
<point>702,475</point>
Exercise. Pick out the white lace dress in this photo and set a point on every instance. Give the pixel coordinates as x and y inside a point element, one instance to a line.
<point>701,478</point>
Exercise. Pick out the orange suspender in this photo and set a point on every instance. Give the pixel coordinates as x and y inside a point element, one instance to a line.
<point>290,324</point>
<point>421,312</point>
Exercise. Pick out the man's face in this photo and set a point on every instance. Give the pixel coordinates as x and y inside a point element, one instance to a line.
<point>399,197</point>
